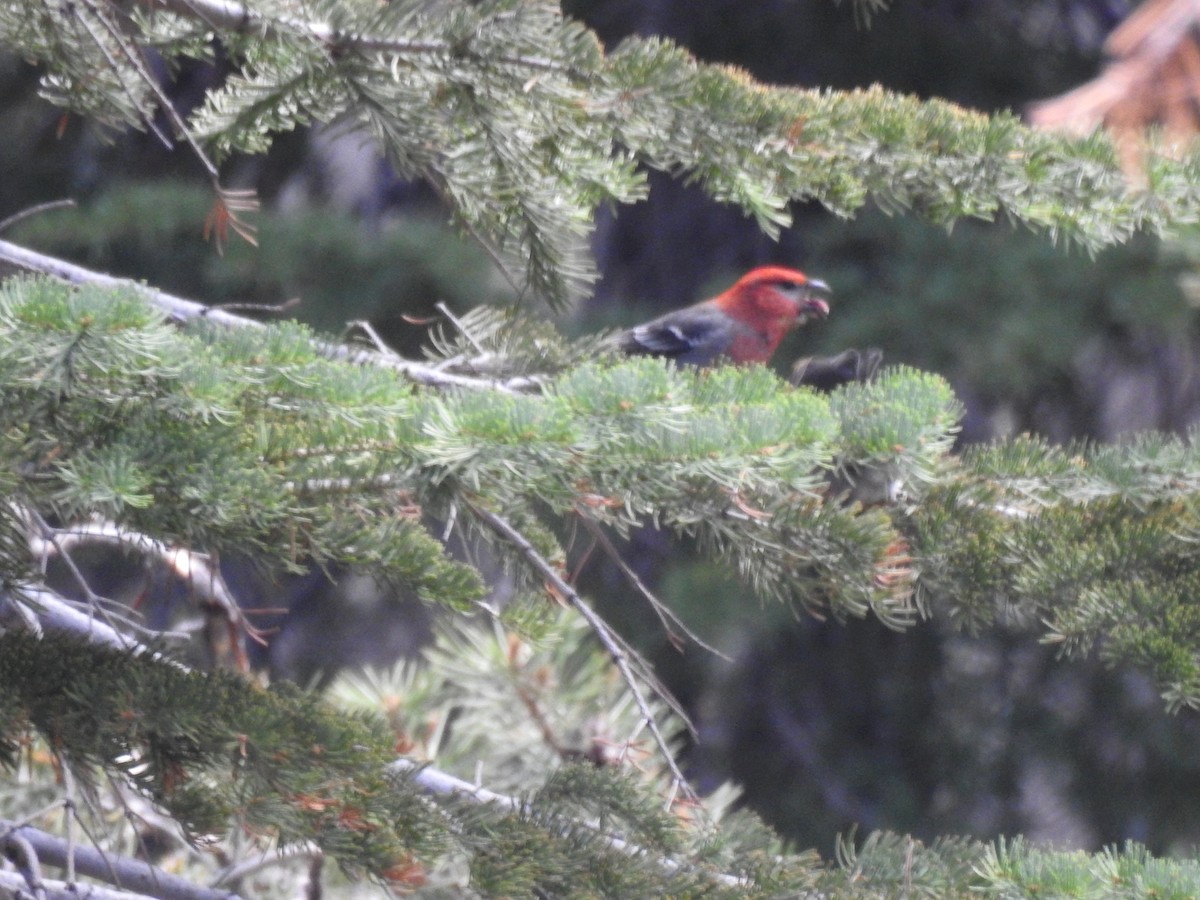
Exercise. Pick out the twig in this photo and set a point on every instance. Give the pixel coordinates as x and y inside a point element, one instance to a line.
<point>89,799</point>
<point>31,211</point>
<point>131,874</point>
<point>53,613</point>
<point>280,855</point>
<point>41,544</point>
<point>11,884</point>
<point>667,616</point>
<point>202,576</point>
<point>134,57</point>
<point>380,344</point>
<point>69,811</point>
<point>17,850</point>
<point>270,309</point>
<point>481,239</point>
<point>457,323</point>
<point>115,67</point>
<point>616,648</point>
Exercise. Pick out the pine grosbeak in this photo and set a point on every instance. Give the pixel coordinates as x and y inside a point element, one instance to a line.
<point>743,325</point>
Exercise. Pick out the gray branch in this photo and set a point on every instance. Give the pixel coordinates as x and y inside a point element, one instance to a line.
<point>617,650</point>
<point>435,781</point>
<point>236,17</point>
<point>128,874</point>
<point>37,608</point>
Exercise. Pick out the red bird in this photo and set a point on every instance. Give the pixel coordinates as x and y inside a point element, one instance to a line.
<point>743,325</point>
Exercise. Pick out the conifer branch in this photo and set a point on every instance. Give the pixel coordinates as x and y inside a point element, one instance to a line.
<point>133,56</point>
<point>179,309</point>
<point>436,781</point>
<point>617,650</point>
<point>130,874</point>
<point>35,210</point>
<point>668,617</point>
<point>241,19</point>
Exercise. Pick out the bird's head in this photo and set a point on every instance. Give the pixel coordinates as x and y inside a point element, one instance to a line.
<point>780,293</point>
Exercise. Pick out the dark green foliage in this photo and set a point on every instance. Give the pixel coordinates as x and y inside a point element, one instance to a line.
<point>1097,543</point>
<point>586,792</point>
<point>210,444</point>
<point>524,126</point>
<point>209,747</point>
<point>253,441</point>
<point>1087,540</point>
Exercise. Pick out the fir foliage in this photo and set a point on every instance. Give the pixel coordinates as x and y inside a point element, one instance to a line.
<point>1099,543</point>
<point>209,747</point>
<point>254,440</point>
<point>213,438</point>
<point>218,440</point>
<point>525,125</point>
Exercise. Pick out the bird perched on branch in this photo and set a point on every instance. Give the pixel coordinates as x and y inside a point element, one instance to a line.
<point>743,325</point>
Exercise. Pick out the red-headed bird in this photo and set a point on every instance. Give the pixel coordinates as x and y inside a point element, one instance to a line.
<point>743,325</point>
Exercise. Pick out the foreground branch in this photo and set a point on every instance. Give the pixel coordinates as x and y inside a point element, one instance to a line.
<point>35,608</point>
<point>612,644</point>
<point>222,15</point>
<point>128,874</point>
<point>14,258</point>
<point>436,781</point>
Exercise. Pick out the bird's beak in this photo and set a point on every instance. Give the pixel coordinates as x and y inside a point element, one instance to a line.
<point>813,304</point>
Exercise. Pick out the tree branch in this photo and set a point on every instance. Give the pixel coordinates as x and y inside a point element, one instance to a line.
<point>52,613</point>
<point>12,884</point>
<point>130,874</point>
<point>615,647</point>
<point>668,617</point>
<point>226,16</point>
<point>179,309</point>
<point>435,781</point>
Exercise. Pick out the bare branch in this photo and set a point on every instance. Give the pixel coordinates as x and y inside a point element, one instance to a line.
<point>44,542</point>
<point>11,884</point>
<point>667,616</point>
<point>31,211</point>
<point>197,570</point>
<point>129,874</point>
<point>50,612</point>
<point>133,55</point>
<point>279,856</point>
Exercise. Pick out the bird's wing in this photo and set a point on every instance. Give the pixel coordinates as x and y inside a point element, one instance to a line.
<point>828,372</point>
<point>701,331</point>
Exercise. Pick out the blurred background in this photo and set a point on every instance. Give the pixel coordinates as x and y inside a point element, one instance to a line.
<point>824,724</point>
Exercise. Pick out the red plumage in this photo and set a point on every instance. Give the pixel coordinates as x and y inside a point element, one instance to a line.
<point>743,325</point>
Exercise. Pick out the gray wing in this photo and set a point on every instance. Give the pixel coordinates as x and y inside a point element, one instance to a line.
<point>696,338</point>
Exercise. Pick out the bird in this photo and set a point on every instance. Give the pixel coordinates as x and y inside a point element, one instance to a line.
<point>743,325</point>
<point>824,373</point>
